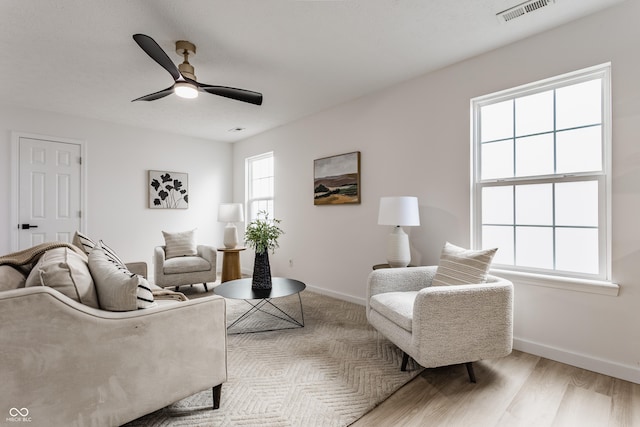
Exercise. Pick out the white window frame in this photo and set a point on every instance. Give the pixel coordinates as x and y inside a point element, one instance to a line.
<point>249,198</point>
<point>596,283</point>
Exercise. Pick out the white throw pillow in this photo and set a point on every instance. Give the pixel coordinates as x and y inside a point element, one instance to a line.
<point>459,266</point>
<point>181,243</point>
<point>66,271</point>
<point>118,289</point>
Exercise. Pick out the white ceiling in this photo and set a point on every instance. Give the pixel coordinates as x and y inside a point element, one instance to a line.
<point>78,57</point>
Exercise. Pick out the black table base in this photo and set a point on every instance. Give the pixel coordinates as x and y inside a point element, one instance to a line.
<point>262,301</point>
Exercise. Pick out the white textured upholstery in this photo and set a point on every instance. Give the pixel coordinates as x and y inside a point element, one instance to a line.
<point>396,306</point>
<point>186,264</point>
<point>450,324</point>
<point>186,270</point>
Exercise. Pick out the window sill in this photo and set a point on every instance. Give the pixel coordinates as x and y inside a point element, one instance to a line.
<point>565,283</point>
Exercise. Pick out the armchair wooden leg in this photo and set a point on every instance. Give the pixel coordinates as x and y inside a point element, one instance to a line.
<point>217,391</point>
<point>205,287</point>
<point>405,360</point>
<point>472,375</point>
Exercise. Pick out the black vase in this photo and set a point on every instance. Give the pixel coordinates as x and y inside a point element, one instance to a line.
<point>261,272</point>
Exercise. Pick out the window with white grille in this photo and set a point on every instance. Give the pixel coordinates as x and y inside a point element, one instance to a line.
<point>259,185</point>
<point>540,170</point>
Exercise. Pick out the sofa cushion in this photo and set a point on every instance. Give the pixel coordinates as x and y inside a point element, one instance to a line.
<point>459,266</point>
<point>395,306</point>
<point>83,242</point>
<point>178,244</point>
<point>118,289</point>
<point>11,278</point>
<point>66,271</point>
<point>187,264</point>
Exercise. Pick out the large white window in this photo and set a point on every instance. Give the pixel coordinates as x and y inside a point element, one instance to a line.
<point>259,185</point>
<point>541,175</point>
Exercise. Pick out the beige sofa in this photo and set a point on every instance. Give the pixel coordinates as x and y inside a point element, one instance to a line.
<point>64,363</point>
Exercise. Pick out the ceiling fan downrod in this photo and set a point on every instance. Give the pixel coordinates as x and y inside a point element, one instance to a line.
<point>185,48</point>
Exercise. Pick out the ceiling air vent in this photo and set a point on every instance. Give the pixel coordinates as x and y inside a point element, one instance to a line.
<point>522,9</point>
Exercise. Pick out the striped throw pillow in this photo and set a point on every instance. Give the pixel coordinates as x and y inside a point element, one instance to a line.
<point>459,266</point>
<point>181,243</point>
<point>83,242</point>
<point>118,289</point>
<point>111,254</point>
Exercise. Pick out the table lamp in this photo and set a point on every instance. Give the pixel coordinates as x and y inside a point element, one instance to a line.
<point>399,212</point>
<point>230,213</point>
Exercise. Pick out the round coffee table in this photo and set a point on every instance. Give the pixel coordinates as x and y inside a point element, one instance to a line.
<point>259,300</point>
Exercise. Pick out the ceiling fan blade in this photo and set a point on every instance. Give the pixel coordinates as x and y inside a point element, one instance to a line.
<point>155,95</point>
<point>234,93</point>
<point>157,54</point>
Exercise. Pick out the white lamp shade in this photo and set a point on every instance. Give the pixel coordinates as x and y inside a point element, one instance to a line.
<point>230,212</point>
<point>401,211</point>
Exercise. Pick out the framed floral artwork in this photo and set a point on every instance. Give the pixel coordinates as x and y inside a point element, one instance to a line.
<point>168,190</point>
<point>336,179</point>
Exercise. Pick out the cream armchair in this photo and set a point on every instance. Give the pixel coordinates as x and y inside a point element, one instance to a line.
<point>441,325</point>
<point>185,270</point>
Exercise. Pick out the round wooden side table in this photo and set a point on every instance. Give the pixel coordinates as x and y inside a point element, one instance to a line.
<point>230,263</point>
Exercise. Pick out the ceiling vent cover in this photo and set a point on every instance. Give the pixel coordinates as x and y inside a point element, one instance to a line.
<point>522,9</point>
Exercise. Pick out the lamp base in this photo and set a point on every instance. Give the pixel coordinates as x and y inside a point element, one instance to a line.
<point>398,251</point>
<point>230,236</point>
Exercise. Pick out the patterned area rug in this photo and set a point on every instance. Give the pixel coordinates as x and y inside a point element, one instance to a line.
<point>329,373</point>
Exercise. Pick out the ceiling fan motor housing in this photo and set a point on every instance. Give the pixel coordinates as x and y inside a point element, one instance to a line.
<point>184,49</point>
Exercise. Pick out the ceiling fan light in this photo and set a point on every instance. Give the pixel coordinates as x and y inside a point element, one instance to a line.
<point>185,90</point>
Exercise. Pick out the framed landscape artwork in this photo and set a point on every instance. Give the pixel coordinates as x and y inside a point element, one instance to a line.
<point>168,190</point>
<point>336,179</point>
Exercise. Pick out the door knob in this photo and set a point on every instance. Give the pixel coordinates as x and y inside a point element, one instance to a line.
<point>28,226</point>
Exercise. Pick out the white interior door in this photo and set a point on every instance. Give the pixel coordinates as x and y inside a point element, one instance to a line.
<point>49,190</point>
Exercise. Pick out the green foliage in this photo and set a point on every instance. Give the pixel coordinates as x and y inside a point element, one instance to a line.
<point>262,234</point>
<point>351,190</point>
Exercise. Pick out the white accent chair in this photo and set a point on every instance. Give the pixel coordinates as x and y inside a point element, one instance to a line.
<point>185,270</point>
<point>441,325</point>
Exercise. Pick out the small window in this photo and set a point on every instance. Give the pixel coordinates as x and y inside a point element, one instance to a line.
<point>259,188</point>
<point>541,166</point>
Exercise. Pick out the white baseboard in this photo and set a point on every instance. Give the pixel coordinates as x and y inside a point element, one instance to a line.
<point>601,366</point>
<point>337,295</point>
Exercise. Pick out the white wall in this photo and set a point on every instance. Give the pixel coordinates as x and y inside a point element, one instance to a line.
<point>118,158</point>
<point>414,140</point>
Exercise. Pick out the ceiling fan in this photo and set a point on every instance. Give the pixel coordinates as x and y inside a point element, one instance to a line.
<point>185,84</point>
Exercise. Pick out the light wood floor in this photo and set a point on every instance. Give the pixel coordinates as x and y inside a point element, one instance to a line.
<point>518,390</point>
